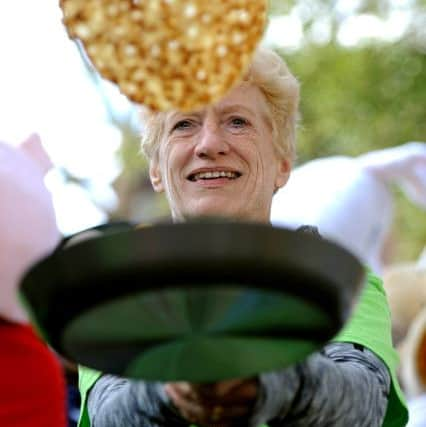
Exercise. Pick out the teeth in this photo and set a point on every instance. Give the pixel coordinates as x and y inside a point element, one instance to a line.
<point>215,174</point>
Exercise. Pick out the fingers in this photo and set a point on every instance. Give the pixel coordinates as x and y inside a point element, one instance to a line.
<point>224,387</point>
<point>184,400</point>
<point>237,389</point>
<point>204,412</point>
<point>232,391</point>
<point>219,403</point>
<point>183,389</point>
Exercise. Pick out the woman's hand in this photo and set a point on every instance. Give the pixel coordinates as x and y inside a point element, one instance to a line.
<point>225,403</point>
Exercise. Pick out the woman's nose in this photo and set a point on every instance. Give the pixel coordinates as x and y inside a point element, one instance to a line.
<point>211,142</point>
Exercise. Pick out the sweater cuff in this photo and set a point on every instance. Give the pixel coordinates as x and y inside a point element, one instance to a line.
<point>277,391</point>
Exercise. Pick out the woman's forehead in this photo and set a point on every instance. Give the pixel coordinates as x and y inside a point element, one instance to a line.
<point>246,97</point>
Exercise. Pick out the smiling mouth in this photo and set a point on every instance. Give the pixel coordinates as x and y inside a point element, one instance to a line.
<point>213,175</point>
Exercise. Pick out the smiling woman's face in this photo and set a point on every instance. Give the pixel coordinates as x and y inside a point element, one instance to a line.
<point>220,161</point>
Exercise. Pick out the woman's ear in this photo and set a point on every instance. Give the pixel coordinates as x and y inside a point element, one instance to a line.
<point>283,173</point>
<point>155,176</point>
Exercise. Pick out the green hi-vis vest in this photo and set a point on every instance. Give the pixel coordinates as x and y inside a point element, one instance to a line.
<point>370,326</point>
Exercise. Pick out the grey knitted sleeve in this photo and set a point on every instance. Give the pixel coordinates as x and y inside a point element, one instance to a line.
<point>344,385</point>
<point>119,402</point>
<point>339,387</point>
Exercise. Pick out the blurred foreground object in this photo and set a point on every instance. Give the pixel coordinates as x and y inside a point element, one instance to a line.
<point>405,286</point>
<point>27,219</point>
<point>32,391</point>
<point>168,54</point>
<point>413,354</point>
<point>350,199</point>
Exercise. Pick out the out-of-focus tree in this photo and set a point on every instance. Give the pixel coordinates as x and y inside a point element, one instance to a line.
<point>355,100</point>
<point>361,99</point>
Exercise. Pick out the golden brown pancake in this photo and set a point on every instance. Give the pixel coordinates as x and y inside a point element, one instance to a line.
<point>168,54</point>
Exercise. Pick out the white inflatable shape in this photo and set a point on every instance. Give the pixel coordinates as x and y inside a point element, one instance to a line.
<point>350,200</point>
<point>28,228</point>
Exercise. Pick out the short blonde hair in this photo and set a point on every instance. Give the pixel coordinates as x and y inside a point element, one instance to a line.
<point>270,74</point>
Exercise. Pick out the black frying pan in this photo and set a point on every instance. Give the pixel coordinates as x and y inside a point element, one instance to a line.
<point>199,301</point>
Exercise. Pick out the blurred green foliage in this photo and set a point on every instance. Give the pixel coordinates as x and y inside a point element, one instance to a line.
<point>362,99</point>
<point>356,100</point>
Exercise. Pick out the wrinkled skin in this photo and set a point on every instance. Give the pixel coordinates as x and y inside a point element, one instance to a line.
<point>28,227</point>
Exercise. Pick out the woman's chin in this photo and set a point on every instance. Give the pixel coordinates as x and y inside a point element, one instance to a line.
<point>234,213</point>
<point>215,210</point>
<point>223,207</point>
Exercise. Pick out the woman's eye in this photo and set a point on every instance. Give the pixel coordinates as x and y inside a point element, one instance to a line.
<point>182,125</point>
<point>239,122</point>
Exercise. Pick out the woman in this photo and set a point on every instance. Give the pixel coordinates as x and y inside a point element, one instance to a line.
<point>228,160</point>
